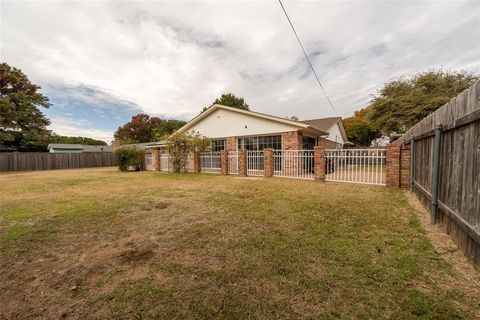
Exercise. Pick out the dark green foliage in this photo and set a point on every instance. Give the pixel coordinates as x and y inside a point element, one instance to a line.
<point>230,100</point>
<point>129,157</point>
<point>402,103</point>
<point>167,127</point>
<point>54,138</point>
<point>22,124</point>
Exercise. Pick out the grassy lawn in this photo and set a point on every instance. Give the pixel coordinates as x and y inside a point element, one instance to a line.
<point>100,244</point>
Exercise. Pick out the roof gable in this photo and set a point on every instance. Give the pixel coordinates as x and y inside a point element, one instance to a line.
<point>326,123</point>
<point>264,116</point>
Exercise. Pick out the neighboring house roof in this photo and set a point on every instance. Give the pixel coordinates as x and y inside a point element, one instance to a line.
<point>83,148</point>
<point>325,123</point>
<point>210,110</point>
<point>65,146</point>
<point>144,145</point>
<point>89,148</point>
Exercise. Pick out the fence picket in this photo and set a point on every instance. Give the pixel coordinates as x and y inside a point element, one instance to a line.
<point>356,165</point>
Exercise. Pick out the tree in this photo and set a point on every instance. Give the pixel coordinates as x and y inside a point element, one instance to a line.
<point>230,100</point>
<point>22,124</point>
<point>54,138</point>
<point>167,127</point>
<point>180,145</point>
<point>127,157</point>
<point>358,128</point>
<point>401,103</point>
<point>137,130</point>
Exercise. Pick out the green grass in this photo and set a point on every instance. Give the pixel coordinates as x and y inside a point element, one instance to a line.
<point>104,244</point>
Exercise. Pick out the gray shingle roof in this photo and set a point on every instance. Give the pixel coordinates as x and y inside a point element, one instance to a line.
<point>322,124</point>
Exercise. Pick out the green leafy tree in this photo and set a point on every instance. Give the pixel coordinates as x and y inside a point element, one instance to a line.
<point>230,100</point>
<point>54,138</point>
<point>167,127</point>
<point>359,130</point>
<point>22,124</point>
<point>401,103</point>
<point>138,129</point>
<point>180,145</point>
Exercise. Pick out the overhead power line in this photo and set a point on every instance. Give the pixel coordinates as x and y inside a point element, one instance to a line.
<point>308,59</point>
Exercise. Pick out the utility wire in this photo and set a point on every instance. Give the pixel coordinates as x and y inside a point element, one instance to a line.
<point>306,56</point>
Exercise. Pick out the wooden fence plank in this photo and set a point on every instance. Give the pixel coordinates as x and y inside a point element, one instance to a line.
<point>29,161</point>
<point>459,188</point>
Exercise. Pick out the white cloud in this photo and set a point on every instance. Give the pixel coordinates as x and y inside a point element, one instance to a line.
<point>67,126</point>
<point>174,58</point>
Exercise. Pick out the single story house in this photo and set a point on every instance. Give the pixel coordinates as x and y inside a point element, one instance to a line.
<point>233,129</point>
<point>76,148</point>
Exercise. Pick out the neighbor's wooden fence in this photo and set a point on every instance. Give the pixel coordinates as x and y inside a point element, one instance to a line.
<point>459,171</point>
<point>28,161</point>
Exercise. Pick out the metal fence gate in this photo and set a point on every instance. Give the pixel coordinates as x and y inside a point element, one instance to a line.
<point>365,166</point>
<point>233,162</point>
<point>255,163</point>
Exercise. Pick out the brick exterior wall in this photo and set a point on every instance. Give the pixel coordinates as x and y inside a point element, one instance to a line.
<point>231,144</point>
<point>268,162</point>
<point>398,166</point>
<point>326,144</point>
<point>292,140</point>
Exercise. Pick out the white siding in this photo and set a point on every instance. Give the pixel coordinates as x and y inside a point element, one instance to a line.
<point>224,123</point>
<point>335,134</point>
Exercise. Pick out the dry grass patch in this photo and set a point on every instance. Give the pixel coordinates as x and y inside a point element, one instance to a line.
<point>104,244</point>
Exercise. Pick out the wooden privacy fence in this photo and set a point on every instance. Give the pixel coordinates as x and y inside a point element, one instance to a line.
<point>28,161</point>
<point>445,168</point>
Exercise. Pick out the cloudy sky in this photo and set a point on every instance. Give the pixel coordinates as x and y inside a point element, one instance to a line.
<point>102,62</point>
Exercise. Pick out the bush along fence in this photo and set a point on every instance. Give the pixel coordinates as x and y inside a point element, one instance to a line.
<point>29,161</point>
<point>439,161</point>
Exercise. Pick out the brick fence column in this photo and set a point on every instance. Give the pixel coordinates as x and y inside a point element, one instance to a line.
<point>196,162</point>
<point>224,162</point>
<point>319,163</point>
<point>156,159</point>
<point>405,166</point>
<point>242,163</point>
<point>393,166</point>
<point>268,162</point>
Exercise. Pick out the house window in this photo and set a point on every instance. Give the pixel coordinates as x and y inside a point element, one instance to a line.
<point>217,145</point>
<point>259,143</point>
<point>308,143</point>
